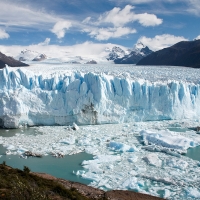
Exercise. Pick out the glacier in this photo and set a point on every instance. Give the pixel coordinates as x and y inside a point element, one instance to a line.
<point>60,97</point>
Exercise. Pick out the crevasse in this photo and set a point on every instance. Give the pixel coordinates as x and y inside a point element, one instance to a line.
<point>89,98</point>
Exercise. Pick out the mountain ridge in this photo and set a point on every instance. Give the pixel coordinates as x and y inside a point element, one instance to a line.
<point>131,56</point>
<point>184,53</point>
<point>7,60</point>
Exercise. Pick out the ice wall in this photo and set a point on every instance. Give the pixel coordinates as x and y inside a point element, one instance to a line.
<point>88,98</point>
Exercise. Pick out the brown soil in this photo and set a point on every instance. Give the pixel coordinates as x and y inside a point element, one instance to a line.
<point>93,193</point>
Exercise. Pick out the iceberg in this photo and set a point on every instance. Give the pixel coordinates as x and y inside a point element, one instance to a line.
<point>168,139</point>
<point>117,146</point>
<point>61,97</point>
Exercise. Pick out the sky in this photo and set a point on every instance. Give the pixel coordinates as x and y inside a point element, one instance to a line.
<point>84,23</point>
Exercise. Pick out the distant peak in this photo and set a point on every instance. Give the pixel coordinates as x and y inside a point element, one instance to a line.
<point>139,45</point>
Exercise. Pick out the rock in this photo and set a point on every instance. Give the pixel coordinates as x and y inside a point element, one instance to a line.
<point>7,60</point>
<point>40,57</point>
<point>91,62</point>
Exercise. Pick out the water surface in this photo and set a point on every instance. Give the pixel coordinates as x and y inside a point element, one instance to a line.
<point>58,167</point>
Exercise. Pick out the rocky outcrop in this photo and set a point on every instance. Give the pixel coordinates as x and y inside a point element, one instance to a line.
<point>7,60</point>
<point>40,57</point>
<point>91,62</point>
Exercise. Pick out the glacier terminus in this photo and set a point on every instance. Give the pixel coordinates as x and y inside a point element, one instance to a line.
<point>43,95</point>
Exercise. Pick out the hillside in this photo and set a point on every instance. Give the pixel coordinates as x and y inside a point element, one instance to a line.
<point>6,60</point>
<point>17,185</point>
<point>185,53</point>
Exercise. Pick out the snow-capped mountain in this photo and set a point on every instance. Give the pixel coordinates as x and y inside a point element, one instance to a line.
<point>115,53</point>
<point>135,55</point>
<point>109,54</point>
<point>28,55</point>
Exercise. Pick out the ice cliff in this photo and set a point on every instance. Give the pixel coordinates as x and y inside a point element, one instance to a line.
<point>31,98</point>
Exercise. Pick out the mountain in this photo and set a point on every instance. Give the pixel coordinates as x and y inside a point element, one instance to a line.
<point>28,55</point>
<point>7,60</point>
<point>91,62</point>
<point>185,53</point>
<point>116,53</point>
<point>119,56</point>
<point>40,57</point>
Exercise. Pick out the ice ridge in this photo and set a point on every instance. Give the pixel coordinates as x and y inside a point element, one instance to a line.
<point>89,98</point>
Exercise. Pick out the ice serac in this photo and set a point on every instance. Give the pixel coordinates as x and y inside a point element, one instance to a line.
<point>89,98</point>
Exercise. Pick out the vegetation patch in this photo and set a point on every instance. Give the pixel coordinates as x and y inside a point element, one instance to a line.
<point>18,185</point>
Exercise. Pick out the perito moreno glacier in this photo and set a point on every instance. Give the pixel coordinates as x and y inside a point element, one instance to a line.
<point>61,97</point>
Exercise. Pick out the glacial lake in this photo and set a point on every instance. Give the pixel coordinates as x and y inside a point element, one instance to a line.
<point>64,167</point>
<point>58,167</point>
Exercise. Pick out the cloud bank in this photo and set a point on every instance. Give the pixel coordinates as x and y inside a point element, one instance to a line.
<point>161,41</point>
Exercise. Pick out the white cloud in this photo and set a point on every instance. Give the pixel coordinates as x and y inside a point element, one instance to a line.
<point>86,20</point>
<point>46,42</point>
<point>119,17</point>
<point>194,7</point>
<point>107,33</point>
<point>16,15</point>
<point>146,19</point>
<point>60,28</point>
<point>87,50</point>
<point>198,37</point>
<point>3,34</point>
<point>161,41</point>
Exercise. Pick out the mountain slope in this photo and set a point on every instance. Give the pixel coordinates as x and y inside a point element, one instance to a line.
<point>186,53</point>
<point>28,55</point>
<point>6,60</point>
<point>116,53</point>
<point>134,56</point>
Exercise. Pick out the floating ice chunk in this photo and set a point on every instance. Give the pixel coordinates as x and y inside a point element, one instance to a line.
<point>132,183</point>
<point>193,192</point>
<point>167,193</point>
<point>132,159</point>
<point>69,140</point>
<point>91,176</point>
<point>94,168</point>
<point>152,159</point>
<point>11,147</point>
<point>177,163</point>
<point>167,139</point>
<point>79,172</point>
<point>75,127</point>
<point>102,159</point>
<point>117,146</point>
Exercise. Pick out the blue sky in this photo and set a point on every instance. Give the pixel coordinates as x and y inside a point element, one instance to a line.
<point>156,23</point>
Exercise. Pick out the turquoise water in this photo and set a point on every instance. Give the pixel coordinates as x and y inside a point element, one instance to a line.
<point>193,153</point>
<point>58,167</point>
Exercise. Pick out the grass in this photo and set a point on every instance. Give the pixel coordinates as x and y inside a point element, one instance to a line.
<point>22,185</point>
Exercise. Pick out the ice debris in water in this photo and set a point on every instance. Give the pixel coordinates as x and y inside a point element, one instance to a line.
<point>120,161</point>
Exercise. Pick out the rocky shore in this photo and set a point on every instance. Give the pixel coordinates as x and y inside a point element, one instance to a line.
<point>18,184</point>
<point>94,193</point>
